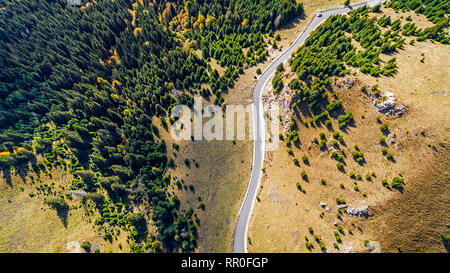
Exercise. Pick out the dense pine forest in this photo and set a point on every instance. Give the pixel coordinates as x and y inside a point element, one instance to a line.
<point>81,86</point>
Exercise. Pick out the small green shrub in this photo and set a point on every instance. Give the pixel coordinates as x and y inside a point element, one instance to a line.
<point>290,152</point>
<point>86,246</point>
<point>305,159</point>
<point>304,175</point>
<point>57,203</point>
<point>397,183</point>
<point>352,175</point>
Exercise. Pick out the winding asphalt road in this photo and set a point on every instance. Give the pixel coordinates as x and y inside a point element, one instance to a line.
<point>240,235</point>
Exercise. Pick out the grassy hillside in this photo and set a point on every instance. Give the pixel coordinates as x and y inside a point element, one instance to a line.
<point>224,169</point>
<point>346,154</point>
<point>85,153</point>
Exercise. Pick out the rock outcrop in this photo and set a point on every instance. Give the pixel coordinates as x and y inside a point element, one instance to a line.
<point>388,106</point>
<point>358,212</point>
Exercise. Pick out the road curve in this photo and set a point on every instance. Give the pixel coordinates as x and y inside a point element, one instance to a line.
<point>240,234</point>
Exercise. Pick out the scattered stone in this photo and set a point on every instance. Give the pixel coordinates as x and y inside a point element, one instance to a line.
<point>388,106</point>
<point>358,212</point>
<point>284,98</point>
<point>348,82</point>
<point>348,248</point>
<point>374,247</point>
<point>74,247</point>
<point>324,205</point>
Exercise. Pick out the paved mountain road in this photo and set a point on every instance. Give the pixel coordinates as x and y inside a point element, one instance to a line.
<point>240,235</point>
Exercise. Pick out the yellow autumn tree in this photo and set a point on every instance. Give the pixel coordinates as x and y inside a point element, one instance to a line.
<point>137,31</point>
<point>115,57</point>
<point>156,245</point>
<point>209,20</point>
<point>114,96</point>
<point>116,83</point>
<point>200,23</point>
<point>201,18</point>
<point>19,150</point>
<point>166,13</point>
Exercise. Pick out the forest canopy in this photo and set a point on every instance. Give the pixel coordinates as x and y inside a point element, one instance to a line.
<point>81,85</point>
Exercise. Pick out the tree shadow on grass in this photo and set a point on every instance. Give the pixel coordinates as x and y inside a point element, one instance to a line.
<point>61,207</point>
<point>303,109</point>
<point>291,23</point>
<point>446,245</point>
<point>298,143</point>
<point>399,189</point>
<point>63,215</point>
<point>7,176</point>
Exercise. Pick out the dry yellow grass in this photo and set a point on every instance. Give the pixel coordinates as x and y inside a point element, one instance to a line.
<point>28,225</point>
<point>219,172</point>
<point>415,220</point>
<point>221,179</point>
<point>312,6</point>
<point>224,168</point>
<point>281,220</point>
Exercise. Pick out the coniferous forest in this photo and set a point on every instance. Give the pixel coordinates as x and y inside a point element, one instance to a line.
<point>80,87</point>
